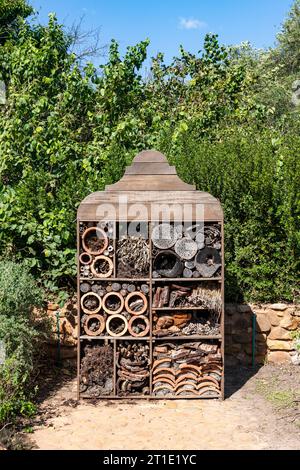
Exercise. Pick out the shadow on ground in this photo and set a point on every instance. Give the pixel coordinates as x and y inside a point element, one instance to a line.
<point>237,377</point>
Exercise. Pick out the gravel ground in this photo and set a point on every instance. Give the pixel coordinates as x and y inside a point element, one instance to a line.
<point>261,411</point>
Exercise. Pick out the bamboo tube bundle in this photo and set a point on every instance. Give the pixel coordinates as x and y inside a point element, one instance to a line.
<point>133,359</point>
<point>206,296</point>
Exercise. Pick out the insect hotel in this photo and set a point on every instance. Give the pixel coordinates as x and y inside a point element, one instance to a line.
<point>150,288</point>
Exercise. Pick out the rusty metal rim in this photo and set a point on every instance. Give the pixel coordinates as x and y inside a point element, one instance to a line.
<point>136,294</point>
<point>86,310</point>
<point>113,294</point>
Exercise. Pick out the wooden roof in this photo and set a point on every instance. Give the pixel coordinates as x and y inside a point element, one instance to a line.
<point>149,180</point>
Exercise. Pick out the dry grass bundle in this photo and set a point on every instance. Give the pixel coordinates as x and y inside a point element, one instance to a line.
<point>208,297</point>
<point>133,255</point>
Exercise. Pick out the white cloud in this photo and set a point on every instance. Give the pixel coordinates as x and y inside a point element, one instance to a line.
<point>191,23</point>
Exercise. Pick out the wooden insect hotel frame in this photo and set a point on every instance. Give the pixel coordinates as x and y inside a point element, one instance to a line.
<point>150,288</point>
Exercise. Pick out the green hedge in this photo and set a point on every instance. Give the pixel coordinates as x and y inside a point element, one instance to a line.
<point>256,176</point>
<point>222,116</point>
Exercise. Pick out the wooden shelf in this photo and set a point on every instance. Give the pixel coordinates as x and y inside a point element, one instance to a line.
<point>186,337</point>
<point>147,338</point>
<point>185,279</point>
<point>120,338</point>
<point>178,309</point>
<point>114,279</point>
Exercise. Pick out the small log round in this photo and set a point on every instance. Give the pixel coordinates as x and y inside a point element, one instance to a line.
<point>85,287</point>
<point>196,274</point>
<point>94,317</point>
<point>121,319</point>
<point>116,287</point>
<point>200,238</point>
<point>108,271</point>
<point>168,264</point>
<point>208,261</point>
<point>186,248</point>
<point>130,297</point>
<point>88,310</point>
<point>164,236</point>
<point>138,319</point>
<point>99,235</point>
<point>190,264</point>
<point>145,288</point>
<point>187,273</point>
<point>109,296</point>
<point>85,258</point>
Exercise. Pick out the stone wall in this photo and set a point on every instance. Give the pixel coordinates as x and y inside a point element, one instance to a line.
<point>274,324</point>
<point>66,320</point>
<point>273,341</point>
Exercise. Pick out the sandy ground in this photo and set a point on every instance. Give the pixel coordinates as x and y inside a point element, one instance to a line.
<point>245,420</point>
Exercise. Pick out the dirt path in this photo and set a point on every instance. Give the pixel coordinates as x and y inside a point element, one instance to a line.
<point>246,420</point>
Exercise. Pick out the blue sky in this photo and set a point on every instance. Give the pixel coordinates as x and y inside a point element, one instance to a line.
<point>169,23</point>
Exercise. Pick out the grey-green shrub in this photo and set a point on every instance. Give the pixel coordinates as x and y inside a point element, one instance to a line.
<point>22,334</point>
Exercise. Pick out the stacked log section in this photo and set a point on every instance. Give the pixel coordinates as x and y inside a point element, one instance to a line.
<point>133,361</point>
<point>189,252</point>
<point>187,370</point>
<point>96,372</point>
